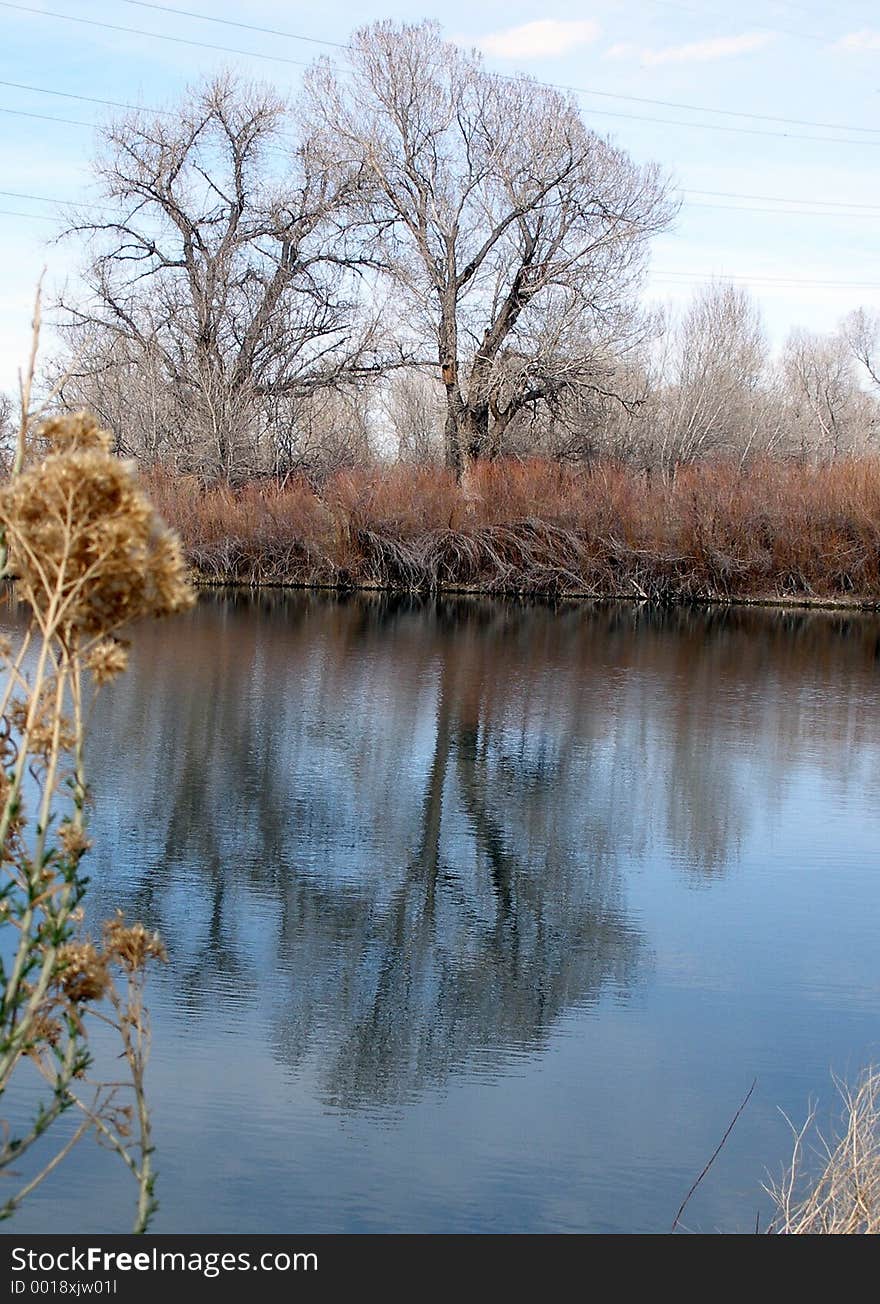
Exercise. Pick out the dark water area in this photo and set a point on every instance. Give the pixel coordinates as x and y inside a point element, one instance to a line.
<point>483,917</point>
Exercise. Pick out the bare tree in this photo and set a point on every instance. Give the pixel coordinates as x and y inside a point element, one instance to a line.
<point>713,391</point>
<point>326,431</point>
<point>830,412</point>
<point>861,330</point>
<point>7,430</point>
<point>516,234</point>
<point>219,280</point>
<point>414,407</point>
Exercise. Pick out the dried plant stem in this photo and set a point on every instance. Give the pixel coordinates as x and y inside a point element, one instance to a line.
<point>843,1197</point>
<point>13,1203</point>
<point>87,555</point>
<point>715,1153</point>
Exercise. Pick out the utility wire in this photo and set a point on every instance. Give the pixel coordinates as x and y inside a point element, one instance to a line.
<point>605,113</point>
<point>51,199</point>
<point>340,45</point>
<point>672,277</point>
<point>228,22</point>
<point>663,274</point>
<point>780,212</point>
<point>86,99</point>
<point>780,199</point>
<point>47,117</point>
<point>156,36</point>
<point>727,113</point>
<point>580,90</point>
<point>726,208</point>
<point>32,217</point>
<point>687,190</point>
<point>741,131</point>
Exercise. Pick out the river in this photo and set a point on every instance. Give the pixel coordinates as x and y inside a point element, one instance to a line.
<point>484,917</point>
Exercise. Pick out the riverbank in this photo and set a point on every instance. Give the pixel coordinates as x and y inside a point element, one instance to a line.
<point>772,532</point>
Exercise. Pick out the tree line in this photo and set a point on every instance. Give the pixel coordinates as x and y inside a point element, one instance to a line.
<point>420,258</point>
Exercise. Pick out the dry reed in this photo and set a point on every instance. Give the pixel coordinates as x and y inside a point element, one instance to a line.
<point>842,1198</point>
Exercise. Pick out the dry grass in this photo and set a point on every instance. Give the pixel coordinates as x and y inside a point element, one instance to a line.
<point>774,530</point>
<point>844,1199</point>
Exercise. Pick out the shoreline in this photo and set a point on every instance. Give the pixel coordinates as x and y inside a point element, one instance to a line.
<point>865,606</point>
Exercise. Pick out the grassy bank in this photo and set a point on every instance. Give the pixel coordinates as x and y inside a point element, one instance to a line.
<point>772,531</point>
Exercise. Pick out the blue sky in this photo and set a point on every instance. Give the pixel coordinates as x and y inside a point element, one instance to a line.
<point>713,65</point>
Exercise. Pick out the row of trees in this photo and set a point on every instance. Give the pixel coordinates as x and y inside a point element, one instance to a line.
<point>417,256</point>
<point>705,384</point>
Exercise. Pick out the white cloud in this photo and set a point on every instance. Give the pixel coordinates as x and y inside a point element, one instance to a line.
<point>864,40</point>
<point>547,38</point>
<point>721,47</point>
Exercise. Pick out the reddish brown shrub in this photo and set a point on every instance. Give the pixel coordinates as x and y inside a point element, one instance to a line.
<point>773,529</point>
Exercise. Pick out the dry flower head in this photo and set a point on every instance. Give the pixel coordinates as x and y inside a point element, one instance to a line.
<point>85,545</point>
<point>48,727</point>
<point>75,432</point>
<point>73,840</point>
<point>131,944</point>
<point>83,973</point>
<point>106,660</point>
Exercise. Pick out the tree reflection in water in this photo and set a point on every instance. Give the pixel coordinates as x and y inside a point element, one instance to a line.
<point>399,830</point>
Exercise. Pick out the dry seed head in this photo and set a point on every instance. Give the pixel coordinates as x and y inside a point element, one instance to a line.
<point>73,840</point>
<point>81,533</point>
<point>83,972</point>
<point>75,432</point>
<point>131,944</point>
<point>106,660</point>
<point>42,732</point>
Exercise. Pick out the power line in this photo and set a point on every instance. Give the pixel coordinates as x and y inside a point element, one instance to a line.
<point>86,99</point>
<point>51,199</point>
<point>33,217</point>
<point>47,117</point>
<point>726,208</point>
<point>727,113</point>
<point>340,45</point>
<point>228,22</point>
<point>156,36</point>
<point>780,199</point>
<point>580,90</point>
<point>779,212</point>
<point>608,113</point>
<point>664,274</point>
<point>661,274</point>
<point>741,131</point>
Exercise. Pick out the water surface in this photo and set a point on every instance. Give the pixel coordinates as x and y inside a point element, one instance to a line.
<point>484,917</point>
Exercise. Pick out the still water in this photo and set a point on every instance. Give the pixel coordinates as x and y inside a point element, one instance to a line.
<point>484,917</point>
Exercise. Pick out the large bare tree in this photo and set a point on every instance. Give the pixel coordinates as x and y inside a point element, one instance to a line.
<point>516,234</point>
<point>219,290</point>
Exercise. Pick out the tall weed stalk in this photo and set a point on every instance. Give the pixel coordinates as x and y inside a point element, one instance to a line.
<point>83,552</point>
